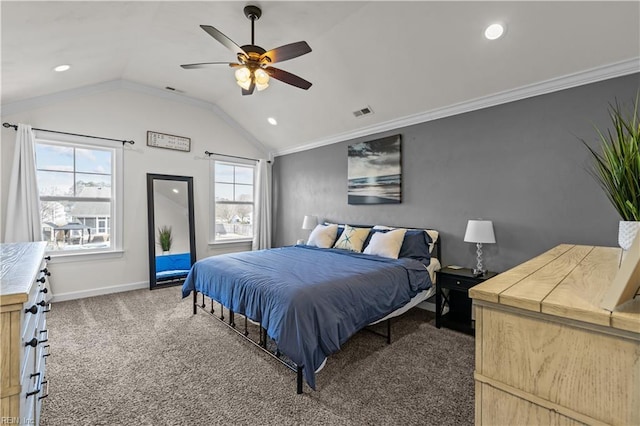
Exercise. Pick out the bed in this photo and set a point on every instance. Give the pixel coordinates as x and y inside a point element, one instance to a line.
<point>310,299</point>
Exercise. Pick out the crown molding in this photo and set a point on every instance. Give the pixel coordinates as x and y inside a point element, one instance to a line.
<point>107,86</point>
<point>581,78</point>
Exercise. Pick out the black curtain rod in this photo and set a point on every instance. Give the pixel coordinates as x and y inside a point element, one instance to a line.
<point>232,156</point>
<point>15,127</point>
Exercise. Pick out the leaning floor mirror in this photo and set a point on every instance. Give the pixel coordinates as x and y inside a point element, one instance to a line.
<point>172,245</point>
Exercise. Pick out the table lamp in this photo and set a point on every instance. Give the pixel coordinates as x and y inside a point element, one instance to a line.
<point>308,223</point>
<point>479,232</point>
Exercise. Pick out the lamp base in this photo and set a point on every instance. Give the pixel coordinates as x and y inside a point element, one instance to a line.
<point>479,272</point>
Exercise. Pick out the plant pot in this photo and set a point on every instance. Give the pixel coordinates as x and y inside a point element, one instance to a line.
<point>627,232</point>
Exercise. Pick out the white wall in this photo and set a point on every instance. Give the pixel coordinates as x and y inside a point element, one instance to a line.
<point>128,114</point>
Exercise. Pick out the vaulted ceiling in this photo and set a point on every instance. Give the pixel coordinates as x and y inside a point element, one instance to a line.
<point>407,61</point>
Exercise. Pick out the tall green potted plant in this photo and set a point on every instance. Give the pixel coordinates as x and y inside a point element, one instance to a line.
<point>617,168</point>
<point>164,238</point>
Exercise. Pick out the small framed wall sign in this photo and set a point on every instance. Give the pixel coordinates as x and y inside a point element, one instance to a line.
<point>163,140</point>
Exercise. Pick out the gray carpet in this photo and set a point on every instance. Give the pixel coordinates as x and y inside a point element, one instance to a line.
<point>142,358</point>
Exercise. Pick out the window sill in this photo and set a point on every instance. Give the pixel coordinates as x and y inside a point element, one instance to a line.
<point>57,257</point>
<point>230,243</point>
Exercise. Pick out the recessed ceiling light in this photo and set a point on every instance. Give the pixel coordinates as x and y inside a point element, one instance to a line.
<point>272,121</point>
<point>175,190</point>
<point>494,31</point>
<point>61,68</point>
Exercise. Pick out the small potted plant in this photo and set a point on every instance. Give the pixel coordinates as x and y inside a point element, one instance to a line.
<point>164,238</point>
<point>617,169</point>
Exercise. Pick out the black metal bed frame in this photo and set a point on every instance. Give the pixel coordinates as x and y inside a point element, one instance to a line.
<point>262,343</point>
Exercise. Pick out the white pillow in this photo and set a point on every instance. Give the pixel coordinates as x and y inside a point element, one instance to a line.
<point>323,236</point>
<point>386,244</point>
<point>432,233</point>
<point>352,238</point>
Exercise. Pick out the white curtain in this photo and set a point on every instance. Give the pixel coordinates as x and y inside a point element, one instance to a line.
<point>262,222</point>
<point>23,202</point>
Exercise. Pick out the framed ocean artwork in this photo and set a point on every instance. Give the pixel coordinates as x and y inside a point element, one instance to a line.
<point>375,171</point>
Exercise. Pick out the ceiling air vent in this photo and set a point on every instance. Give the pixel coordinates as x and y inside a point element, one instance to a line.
<point>173,89</point>
<point>364,111</point>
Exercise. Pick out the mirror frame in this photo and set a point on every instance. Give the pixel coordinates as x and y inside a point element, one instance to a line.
<point>151,178</point>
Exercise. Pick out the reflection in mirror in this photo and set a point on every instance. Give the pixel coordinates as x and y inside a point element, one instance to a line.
<point>171,229</point>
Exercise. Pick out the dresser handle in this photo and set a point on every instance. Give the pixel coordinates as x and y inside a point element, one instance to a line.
<point>38,386</point>
<point>47,258</point>
<point>41,280</point>
<point>44,290</point>
<point>41,303</point>
<point>46,392</point>
<point>48,309</point>
<point>32,310</point>
<point>33,343</point>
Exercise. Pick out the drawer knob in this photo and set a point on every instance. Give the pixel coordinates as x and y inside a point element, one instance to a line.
<point>47,258</point>
<point>32,310</point>
<point>46,272</point>
<point>33,343</point>
<point>41,303</point>
<point>44,290</point>
<point>41,280</point>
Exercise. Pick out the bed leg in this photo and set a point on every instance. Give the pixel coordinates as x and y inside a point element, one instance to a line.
<point>221,312</point>
<point>246,331</point>
<point>211,306</point>
<point>299,380</point>
<point>263,337</point>
<point>203,305</point>
<point>195,302</point>
<point>232,320</point>
<point>389,331</point>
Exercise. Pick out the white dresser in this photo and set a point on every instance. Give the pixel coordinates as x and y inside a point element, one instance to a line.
<point>24,303</point>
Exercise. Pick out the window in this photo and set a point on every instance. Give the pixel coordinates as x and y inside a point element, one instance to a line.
<point>233,189</point>
<point>78,187</point>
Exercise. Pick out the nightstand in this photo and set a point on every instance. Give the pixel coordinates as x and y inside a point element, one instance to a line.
<point>458,282</point>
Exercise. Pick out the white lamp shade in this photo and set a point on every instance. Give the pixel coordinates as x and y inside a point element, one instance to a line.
<point>479,231</point>
<point>309,222</point>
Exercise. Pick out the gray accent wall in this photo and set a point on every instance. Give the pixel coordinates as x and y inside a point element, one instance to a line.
<point>519,164</point>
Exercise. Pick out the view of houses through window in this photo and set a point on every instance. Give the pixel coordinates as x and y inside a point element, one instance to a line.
<point>75,184</point>
<point>233,192</point>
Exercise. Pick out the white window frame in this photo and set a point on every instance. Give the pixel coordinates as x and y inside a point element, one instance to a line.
<point>117,195</point>
<point>212,198</point>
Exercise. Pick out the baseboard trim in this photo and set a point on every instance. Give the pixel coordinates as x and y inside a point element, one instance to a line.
<point>61,297</point>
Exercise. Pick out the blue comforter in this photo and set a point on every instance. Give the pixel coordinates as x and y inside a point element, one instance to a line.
<point>309,300</point>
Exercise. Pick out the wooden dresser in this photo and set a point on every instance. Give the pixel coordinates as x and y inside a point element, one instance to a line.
<point>24,296</point>
<point>546,353</point>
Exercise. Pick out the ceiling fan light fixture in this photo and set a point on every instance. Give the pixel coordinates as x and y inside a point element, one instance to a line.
<point>243,77</point>
<point>262,79</point>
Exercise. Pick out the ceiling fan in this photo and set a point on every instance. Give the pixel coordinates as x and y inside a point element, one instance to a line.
<point>254,70</point>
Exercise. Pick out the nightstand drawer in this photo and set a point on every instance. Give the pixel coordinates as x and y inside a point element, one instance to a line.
<point>448,281</point>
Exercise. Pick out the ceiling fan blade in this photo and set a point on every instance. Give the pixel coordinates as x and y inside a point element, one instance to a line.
<point>286,52</point>
<point>226,41</point>
<point>251,89</point>
<point>287,77</point>
<point>207,64</point>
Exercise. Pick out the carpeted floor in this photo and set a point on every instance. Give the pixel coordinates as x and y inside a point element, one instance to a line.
<point>142,358</point>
